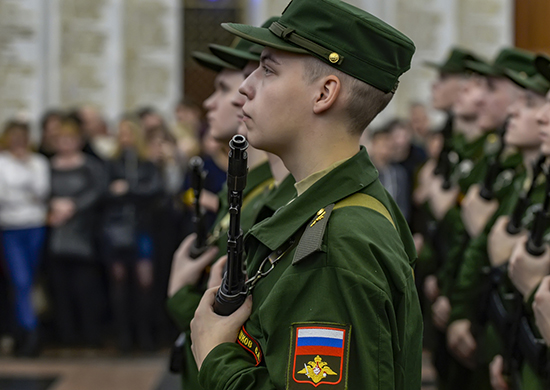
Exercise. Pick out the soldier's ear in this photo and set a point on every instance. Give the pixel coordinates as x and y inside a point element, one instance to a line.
<point>328,89</point>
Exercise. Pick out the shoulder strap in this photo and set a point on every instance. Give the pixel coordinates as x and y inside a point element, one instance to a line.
<point>312,238</point>
<point>364,200</point>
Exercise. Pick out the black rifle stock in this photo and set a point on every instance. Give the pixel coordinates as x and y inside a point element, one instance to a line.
<point>232,292</point>
<point>198,174</point>
<point>444,165</point>
<point>535,245</point>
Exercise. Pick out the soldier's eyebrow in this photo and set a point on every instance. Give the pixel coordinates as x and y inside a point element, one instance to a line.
<point>268,57</point>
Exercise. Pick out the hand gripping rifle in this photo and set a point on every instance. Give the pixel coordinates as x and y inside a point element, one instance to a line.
<point>486,191</point>
<point>514,225</point>
<point>522,344</point>
<point>232,293</point>
<point>444,165</point>
<point>198,174</point>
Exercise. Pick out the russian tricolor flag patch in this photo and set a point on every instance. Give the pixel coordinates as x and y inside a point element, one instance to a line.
<point>319,355</point>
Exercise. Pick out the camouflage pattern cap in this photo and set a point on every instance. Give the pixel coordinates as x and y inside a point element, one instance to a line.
<point>341,35</point>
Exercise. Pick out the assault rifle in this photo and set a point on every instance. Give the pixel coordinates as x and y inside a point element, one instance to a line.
<point>232,292</point>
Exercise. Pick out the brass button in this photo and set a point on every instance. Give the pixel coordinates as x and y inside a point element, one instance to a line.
<point>334,57</point>
<point>523,75</point>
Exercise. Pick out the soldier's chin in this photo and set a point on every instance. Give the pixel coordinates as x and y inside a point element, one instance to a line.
<point>486,124</point>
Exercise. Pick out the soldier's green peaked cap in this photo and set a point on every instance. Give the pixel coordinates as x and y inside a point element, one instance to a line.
<point>455,62</point>
<point>341,35</point>
<point>542,63</point>
<point>211,62</point>
<point>244,51</point>
<point>537,83</point>
<point>509,58</point>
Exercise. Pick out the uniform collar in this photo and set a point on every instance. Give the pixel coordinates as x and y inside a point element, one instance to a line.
<point>350,177</point>
<point>257,176</point>
<point>283,193</point>
<point>303,185</point>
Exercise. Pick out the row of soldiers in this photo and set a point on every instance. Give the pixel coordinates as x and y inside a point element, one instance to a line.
<point>485,218</point>
<point>328,252</point>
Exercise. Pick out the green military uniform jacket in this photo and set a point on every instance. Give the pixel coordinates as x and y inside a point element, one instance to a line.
<point>353,285</point>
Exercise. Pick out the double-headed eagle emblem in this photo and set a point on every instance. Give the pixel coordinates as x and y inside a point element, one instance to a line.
<point>317,370</point>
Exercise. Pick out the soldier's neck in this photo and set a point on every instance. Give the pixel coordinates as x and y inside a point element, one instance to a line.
<point>318,158</point>
<point>278,169</point>
<point>256,157</point>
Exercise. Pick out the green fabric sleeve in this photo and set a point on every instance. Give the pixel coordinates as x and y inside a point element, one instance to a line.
<point>466,287</point>
<point>182,305</point>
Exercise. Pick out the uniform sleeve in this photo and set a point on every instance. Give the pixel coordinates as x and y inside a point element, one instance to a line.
<point>182,305</point>
<point>374,361</point>
<point>377,300</point>
<point>469,279</point>
<point>454,235</point>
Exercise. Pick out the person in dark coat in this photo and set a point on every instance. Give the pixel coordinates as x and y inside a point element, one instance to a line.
<point>133,184</point>
<point>78,183</point>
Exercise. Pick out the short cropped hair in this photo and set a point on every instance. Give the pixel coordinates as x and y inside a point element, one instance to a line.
<point>364,102</point>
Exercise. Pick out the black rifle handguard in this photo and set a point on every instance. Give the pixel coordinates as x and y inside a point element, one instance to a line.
<point>198,174</point>
<point>444,165</point>
<point>232,292</point>
<point>514,225</point>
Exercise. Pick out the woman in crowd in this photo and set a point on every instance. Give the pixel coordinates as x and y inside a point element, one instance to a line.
<point>133,183</point>
<point>24,188</point>
<point>78,182</point>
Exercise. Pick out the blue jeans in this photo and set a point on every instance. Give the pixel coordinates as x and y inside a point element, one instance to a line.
<point>22,252</point>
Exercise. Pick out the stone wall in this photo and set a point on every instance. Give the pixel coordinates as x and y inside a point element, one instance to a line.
<point>114,54</point>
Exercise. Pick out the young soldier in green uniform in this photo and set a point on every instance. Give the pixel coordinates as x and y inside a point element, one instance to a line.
<point>527,272</point>
<point>340,306</point>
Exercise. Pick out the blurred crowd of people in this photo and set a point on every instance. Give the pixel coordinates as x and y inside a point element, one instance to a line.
<point>90,218</point>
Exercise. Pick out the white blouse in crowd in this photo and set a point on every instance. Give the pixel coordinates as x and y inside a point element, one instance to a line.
<point>24,191</point>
